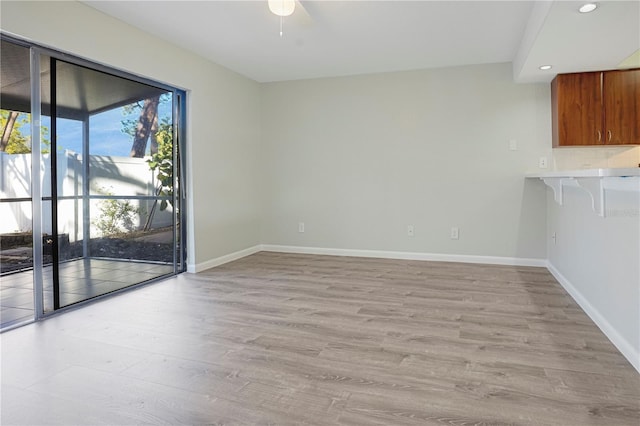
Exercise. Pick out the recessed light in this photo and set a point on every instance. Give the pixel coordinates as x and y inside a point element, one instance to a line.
<point>588,7</point>
<point>545,67</point>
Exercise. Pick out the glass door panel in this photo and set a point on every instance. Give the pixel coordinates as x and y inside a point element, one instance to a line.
<point>114,142</point>
<point>16,205</point>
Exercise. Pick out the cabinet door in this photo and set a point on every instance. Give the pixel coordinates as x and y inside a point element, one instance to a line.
<point>622,106</point>
<point>577,109</point>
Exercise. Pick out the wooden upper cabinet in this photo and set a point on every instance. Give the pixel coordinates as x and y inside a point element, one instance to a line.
<point>596,108</point>
<point>577,109</point>
<point>621,91</point>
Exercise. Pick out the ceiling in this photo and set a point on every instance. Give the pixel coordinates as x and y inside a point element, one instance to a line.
<point>337,38</point>
<point>80,91</point>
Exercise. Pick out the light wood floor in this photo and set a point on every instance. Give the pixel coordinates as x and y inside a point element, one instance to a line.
<point>298,339</point>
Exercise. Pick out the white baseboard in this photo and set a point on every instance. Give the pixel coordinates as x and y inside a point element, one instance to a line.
<point>491,260</point>
<point>194,268</point>
<point>623,345</point>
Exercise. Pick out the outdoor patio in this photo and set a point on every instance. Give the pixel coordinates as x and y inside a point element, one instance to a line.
<point>79,280</point>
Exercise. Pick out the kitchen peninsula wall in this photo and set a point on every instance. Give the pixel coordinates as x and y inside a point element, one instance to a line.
<point>596,258</point>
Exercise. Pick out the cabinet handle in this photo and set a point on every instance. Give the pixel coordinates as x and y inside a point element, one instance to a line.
<point>599,136</point>
<point>609,133</point>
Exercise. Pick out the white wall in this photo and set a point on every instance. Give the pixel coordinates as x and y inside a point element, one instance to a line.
<point>360,158</point>
<point>223,113</point>
<point>109,175</point>
<point>598,260</point>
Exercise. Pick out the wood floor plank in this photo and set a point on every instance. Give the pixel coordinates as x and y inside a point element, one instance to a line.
<point>289,339</point>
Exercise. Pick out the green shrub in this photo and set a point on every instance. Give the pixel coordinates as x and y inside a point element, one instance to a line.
<point>117,217</point>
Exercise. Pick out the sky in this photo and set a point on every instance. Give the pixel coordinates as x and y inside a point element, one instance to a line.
<point>105,132</point>
<point>105,136</point>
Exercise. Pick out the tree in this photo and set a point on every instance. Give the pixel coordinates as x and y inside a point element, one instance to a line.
<point>13,141</point>
<point>162,163</point>
<point>146,128</point>
<point>8,128</point>
<point>147,125</point>
<point>18,142</point>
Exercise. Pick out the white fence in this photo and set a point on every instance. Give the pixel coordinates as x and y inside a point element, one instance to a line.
<point>107,176</point>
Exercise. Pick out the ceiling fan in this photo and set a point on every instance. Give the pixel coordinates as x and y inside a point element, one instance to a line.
<point>284,8</point>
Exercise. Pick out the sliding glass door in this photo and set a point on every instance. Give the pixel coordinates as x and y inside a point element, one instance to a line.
<point>109,210</point>
<point>16,208</point>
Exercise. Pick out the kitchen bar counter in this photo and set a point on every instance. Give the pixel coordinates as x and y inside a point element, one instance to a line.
<point>594,181</point>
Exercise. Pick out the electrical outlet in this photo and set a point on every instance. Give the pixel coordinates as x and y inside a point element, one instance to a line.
<point>554,238</point>
<point>455,233</point>
<point>410,231</point>
<point>542,163</point>
<point>300,227</point>
<point>513,145</point>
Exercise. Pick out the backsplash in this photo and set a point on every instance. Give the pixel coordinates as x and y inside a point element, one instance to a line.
<point>595,157</point>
